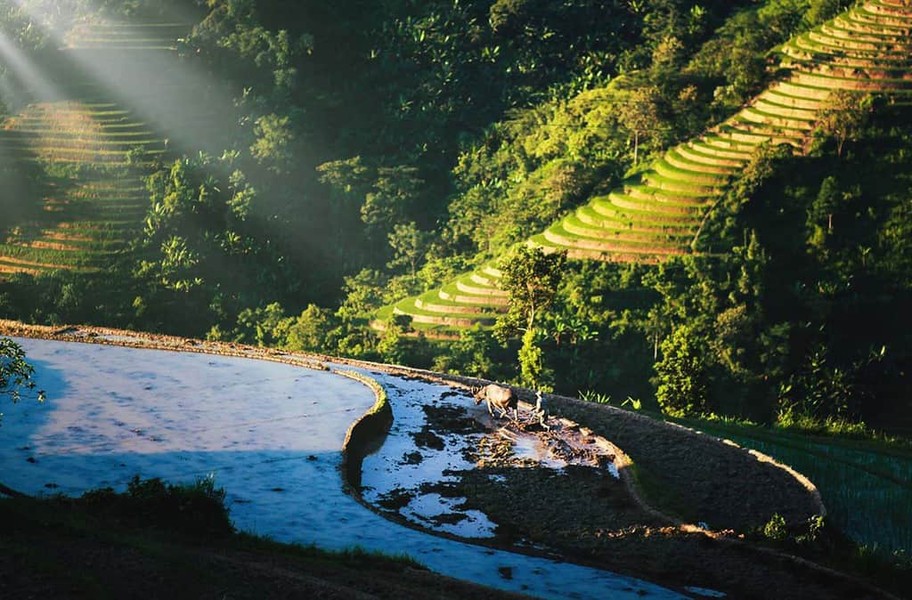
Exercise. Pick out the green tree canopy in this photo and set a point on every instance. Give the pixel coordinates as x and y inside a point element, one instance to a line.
<point>843,116</point>
<point>681,374</point>
<point>639,114</point>
<point>532,278</point>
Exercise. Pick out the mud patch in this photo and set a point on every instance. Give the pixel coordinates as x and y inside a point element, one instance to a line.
<point>412,458</point>
<point>546,505</point>
<point>395,501</point>
<point>449,515</point>
<point>452,419</point>
<point>525,443</point>
<point>426,438</point>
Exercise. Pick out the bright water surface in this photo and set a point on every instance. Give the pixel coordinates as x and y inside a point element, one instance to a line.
<point>269,433</point>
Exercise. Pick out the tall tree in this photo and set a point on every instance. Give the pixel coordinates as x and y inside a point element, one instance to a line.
<point>843,116</point>
<point>531,277</point>
<point>639,114</point>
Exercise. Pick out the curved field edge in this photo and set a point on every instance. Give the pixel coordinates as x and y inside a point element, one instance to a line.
<point>674,470</point>
<point>629,473</point>
<point>626,426</point>
<point>668,479</point>
<point>869,483</point>
<point>365,434</point>
<point>630,477</point>
<point>697,477</point>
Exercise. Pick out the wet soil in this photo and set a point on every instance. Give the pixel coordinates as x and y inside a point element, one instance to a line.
<point>582,512</point>
<point>694,477</point>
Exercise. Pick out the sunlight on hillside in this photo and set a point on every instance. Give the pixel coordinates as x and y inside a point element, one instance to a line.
<point>29,77</point>
<point>134,62</point>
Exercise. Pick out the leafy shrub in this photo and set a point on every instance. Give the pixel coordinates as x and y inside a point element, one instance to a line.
<point>681,374</point>
<point>595,397</point>
<point>791,417</point>
<point>775,529</point>
<point>197,508</point>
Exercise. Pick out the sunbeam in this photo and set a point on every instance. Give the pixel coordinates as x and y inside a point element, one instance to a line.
<point>13,95</point>
<point>28,74</point>
<point>192,110</point>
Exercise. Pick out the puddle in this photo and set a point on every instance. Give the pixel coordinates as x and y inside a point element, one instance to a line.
<point>443,514</point>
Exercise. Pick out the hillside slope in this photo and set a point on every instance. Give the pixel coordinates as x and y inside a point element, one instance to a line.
<point>87,153</point>
<point>657,213</point>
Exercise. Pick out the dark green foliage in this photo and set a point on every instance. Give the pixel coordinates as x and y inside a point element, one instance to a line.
<point>194,509</point>
<point>822,10</point>
<point>734,62</point>
<point>843,117</point>
<point>202,257</point>
<point>392,346</point>
<point>532,278</point>
<point>682,375</point>
<point>58,297</point>
<point>476,354</point>
<point>639,115</point>
<point>16,374</point>
<point>530,169</point>
<point>720,230</point>
<point>357,127</point>
<point>261,326</point>
<point>312,330</point>
<point>803,323</point>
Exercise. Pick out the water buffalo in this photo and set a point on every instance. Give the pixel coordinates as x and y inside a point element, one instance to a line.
<point>498,397</point>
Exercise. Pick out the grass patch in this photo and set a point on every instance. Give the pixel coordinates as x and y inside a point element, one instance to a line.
<point>86,547</point>
<point>866,483</point>
<point>197,508</point>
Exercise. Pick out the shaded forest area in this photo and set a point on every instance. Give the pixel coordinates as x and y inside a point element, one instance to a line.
<point>378,148</point>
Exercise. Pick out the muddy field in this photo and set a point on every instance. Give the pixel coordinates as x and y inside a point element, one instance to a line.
<point>565,492</point>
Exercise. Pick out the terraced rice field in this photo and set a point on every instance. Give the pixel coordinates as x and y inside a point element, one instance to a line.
<point>92,202</point>
<point>89,155</point>
<point>657,214</point>
<point>867,489</point>
<point>471,299</point>
<point>126,36</point>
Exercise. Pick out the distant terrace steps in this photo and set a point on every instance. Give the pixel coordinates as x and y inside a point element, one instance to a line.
<point>82,132</point>
<point>103,35</point>
<point>93,207</point>
<point>93,152</point>
<point>657,213</point>
<point>473,298</point>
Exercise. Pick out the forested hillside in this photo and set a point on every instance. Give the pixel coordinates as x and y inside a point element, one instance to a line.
<point>287,172</point>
